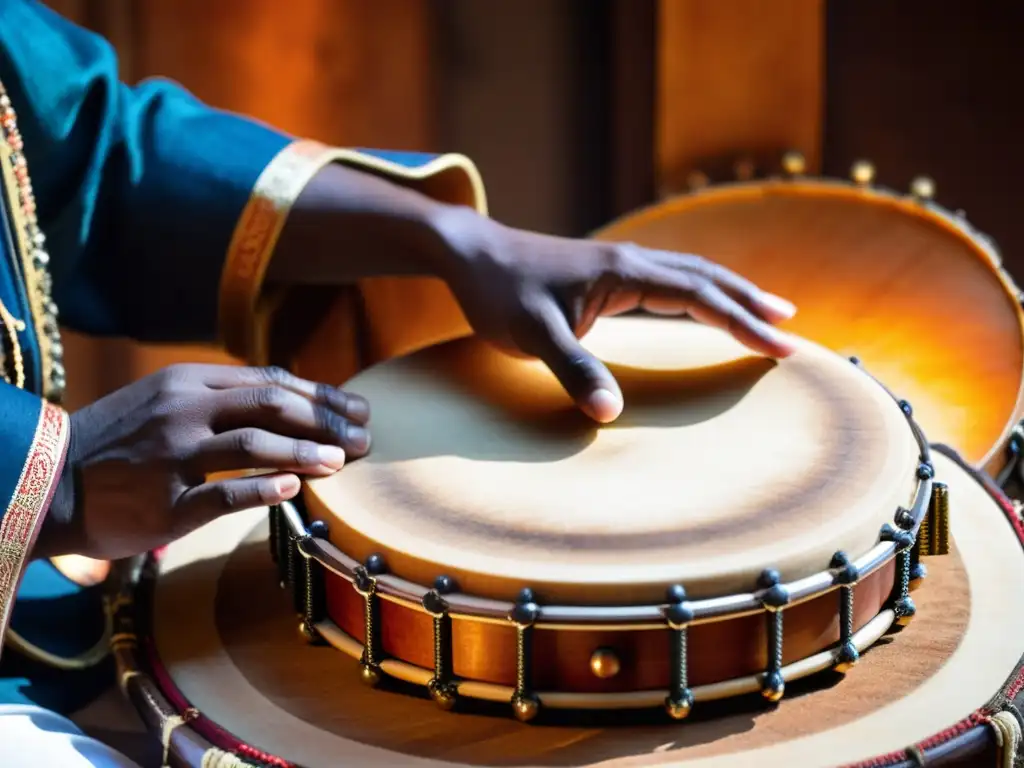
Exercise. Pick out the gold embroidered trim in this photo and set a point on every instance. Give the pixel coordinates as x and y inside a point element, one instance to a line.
<point>264,217</point>
<point>28,505</point>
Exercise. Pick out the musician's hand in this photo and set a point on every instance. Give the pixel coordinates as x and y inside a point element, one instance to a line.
<point>540,294</point>
<point>136,473</point>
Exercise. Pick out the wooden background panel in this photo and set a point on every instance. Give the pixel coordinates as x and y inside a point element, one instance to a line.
<point>932,87</point>
<point>346,72</point>
<point>743,76</point>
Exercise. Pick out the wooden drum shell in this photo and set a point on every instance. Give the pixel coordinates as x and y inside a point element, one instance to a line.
<point>485,651</point>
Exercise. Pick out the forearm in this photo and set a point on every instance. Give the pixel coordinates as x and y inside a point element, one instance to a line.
<point>347,225</point>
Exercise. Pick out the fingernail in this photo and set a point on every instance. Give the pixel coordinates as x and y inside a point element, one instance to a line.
<point>786,342</point>
<point>287,486</point>
<point>358,438</point>
<point>331,456</point>
<point>778,305</point>
<point>357,409</point>
<point>604,405</point>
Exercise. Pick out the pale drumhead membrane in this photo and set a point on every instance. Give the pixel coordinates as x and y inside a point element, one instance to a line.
<point>723,463</point>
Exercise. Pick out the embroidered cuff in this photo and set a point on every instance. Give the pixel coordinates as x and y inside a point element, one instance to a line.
<point>27,505</point>
<point>244,309</point>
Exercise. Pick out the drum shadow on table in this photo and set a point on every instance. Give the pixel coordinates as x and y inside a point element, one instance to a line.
<point>255,632</point>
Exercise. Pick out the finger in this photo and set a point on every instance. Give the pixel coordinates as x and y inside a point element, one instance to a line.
<point>547,335</point>
<point>260,449</point>
<point>203,503</point>
<point>707,303</point>
<point>350,405</point>
<point>286,413</point>
<point>761,303</point>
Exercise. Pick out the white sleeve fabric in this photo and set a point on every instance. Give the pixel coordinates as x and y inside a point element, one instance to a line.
<point>33,737</point>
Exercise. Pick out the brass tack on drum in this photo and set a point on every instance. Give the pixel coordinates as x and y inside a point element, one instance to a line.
<point>794,164</point>
<point>923,188</point>
<point>605,664</point>
<point>862,173</point>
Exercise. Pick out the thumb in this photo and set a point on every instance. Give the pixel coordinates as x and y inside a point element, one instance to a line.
<point>585,378</point>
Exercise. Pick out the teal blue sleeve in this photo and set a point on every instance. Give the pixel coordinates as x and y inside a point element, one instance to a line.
<point>138,188</point>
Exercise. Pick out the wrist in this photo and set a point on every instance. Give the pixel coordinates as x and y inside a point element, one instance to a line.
<point>58,533</point>
<point>464,237</point>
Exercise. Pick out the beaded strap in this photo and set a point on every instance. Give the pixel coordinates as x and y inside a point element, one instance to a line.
<point>34,261</point>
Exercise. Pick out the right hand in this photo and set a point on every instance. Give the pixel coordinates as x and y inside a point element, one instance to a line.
<point>136,475</point>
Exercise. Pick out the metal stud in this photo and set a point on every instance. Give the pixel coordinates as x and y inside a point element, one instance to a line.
<point>605,664</point>
<point>922,188</point>
<point>794,163</point>
<point>862,173</point>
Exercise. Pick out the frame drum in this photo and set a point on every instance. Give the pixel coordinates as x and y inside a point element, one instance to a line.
<point>912,289</point>
<point>206,643</point>
<point>208,653</point>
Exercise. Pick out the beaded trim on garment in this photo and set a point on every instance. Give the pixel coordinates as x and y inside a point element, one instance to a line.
<point>30,245</point>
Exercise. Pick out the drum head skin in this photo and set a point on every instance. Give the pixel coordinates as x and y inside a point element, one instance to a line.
<point>913,291</point>
<point>724,463</point>
<point>224,635</point>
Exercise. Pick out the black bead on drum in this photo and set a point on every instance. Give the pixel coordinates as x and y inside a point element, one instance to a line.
<point>445,585</point>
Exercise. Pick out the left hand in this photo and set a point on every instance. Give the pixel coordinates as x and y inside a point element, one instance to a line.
<point>540,294</point>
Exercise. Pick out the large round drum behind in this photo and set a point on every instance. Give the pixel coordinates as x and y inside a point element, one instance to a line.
<point>216,669</point>
<point>913,290</point>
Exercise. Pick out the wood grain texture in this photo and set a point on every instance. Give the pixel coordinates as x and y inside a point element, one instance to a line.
<point>738,78</point>
<point>342,71</point>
